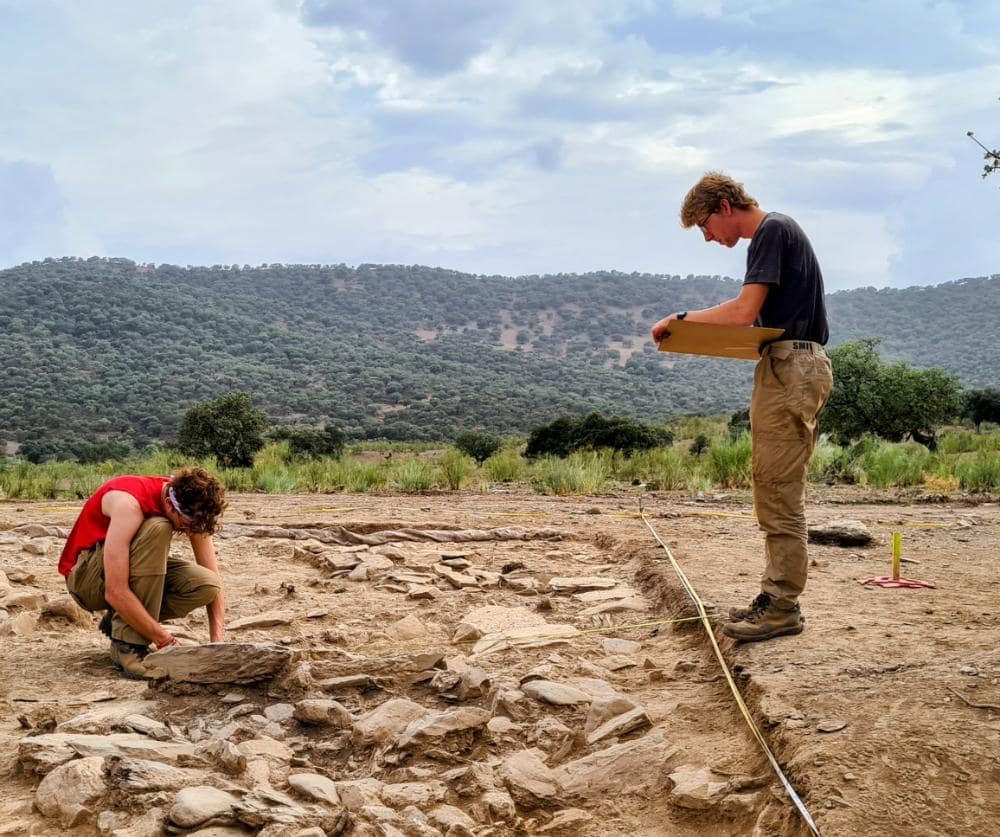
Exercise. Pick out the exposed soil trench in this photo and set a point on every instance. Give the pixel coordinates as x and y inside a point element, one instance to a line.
<point>592,728</point>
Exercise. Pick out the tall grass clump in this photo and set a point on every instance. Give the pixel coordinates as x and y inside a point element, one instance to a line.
<point>504,466</point>
<point>896,465</point>
<point>414,476</point>
<point>980,473</point>
<point>966,441</point>
<point>320,476</point>
<point>661,469</point>
<point>239,480</point>
<point>455,467</point>
<point>274,479</point>
<point>729,462</point>
<point>362,477</point>
<point>580,473</point>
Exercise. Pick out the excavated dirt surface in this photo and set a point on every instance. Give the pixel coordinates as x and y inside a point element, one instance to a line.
<point>893,672</point>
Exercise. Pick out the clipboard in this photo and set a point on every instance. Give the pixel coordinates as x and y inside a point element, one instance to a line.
<point>740,342</point>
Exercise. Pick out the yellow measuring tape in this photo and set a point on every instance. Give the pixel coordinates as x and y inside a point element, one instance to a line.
<point>703,617</point>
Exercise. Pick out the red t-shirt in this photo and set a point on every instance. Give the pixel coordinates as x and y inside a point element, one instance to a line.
<point>91,527</point>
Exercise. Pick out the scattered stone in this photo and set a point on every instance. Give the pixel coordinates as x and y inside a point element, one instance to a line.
<point>437,727</point>
<point>128,776</point>
<point>41,753</point>
<point>501,725</point>
<point>421,591</point>
<point>604,709</point>
<point>581,584</point>
<point>695,788</point>
<point>263,620</point>
<point>971,671</point>
<point>499,805</point>
<point>316,787</point>
<point>409,627</point>
<point>527,777</point>
<point>558,694</point>
<point>606,595</point>
<point>568,821</point>
<point>221,662</point>
<point>225,755</point>
<point>393,553</point>
<point>459,581</point>
<point>493,619</point>
<point>65,609</point>
<point>630,767</point>
<point>840,533</point>
<point>617,662</point>
<point>22,625</point>
<point>350,681</point>
<point>148,726</point>
<point>453,821</point>
<point>71,790</point>
<point>533,637</point>
<point>634,603</point>
<point>620,646</point>
<point>279,712</point>
<point>421,794</point>
<point>36,547</point>
<point>830,726</point>
<point>23,599</point>
<point>197,805</point>
<point>323,712</point>
<point>552,736</point>
<point>620,725</point>
<point>356,793</point>
<point>265,747</point>
<point>388,721</point>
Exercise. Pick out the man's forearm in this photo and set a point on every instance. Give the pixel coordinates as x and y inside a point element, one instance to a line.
<point>216,610</point>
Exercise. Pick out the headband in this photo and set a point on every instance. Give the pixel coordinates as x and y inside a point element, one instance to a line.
<point>177,506</point>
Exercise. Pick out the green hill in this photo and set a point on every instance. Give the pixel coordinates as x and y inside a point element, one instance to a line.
<point>105,348</point>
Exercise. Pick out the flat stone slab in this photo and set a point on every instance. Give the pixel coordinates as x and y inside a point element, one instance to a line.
<point>263,620</point>
<point>222,662</point>
<point>558,694</point>
<point>841,533</point>
<point>534,637</point>
<point>41,753</point>
<point>630,767</point>
<point>582,583</point>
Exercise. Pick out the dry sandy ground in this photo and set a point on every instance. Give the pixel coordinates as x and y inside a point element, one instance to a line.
<point>896,671</point>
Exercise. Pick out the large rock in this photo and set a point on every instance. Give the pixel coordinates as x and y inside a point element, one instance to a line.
<point>630,767</point>
<point>492,619</point>
<point>528,778</point>
<point>64,609</point>
<point>221,662</point>
<point>323,712</point>
<point>316,787</point>
<point>436,728</point>
<point>105,717</point>
<point>841,533</point>
<point>529,637</point>
<point>355,794</point>
<point>620,725</point>
<point>41,753</point>
<point>197,805</point>
<point>558,694</point>
<point>127,776</point>
<point>421,794</point>
<point>696,788</point>
<point>71,792</point>
<point>387,721</point>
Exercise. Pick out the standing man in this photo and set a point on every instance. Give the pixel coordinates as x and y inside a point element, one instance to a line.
<point>783,288</point>
<point>117,558</point>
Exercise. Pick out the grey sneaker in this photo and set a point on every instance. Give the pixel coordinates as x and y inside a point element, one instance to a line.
<point>766,623</point>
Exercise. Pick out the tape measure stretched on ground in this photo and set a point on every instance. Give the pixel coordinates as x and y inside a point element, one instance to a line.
<point>799,805</point>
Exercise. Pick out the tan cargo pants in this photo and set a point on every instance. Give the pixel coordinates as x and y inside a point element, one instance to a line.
<point>792,383</point>
<point>167,587</point>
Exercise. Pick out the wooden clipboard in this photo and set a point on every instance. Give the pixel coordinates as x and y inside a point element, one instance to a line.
<point>741,342</point>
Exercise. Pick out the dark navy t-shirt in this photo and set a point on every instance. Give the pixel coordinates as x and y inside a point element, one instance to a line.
<point>780,255</point>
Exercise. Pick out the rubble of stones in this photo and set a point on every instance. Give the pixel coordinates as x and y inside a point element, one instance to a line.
<point>492,724</point>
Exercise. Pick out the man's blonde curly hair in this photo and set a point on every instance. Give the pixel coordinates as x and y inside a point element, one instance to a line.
<point>706,195</point>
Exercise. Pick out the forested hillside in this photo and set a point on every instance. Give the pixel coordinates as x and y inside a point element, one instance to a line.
<point>105,348</point>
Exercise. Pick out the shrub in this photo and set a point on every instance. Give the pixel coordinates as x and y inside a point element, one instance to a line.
<point>581,473</point>
<point>593,432</point>
<point>311,442</point>
<point>981,473</point>
<point>896,465</point>
<point>662,469</point>
<point>230,428</point>
<point>480,446</point>
<point>700,444</point>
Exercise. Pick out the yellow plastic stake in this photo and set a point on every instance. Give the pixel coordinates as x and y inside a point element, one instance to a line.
<point>896,552</point>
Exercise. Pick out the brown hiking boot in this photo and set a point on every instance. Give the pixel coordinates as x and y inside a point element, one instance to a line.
<point>766,623</point>
<point>762,602</point>
<point>129,658</point>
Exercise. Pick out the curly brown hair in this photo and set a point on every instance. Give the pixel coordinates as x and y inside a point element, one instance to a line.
<point>201,498</point>
<point>706,195</point>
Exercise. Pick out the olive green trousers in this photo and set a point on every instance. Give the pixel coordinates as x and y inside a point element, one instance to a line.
<point>792,383</point>
<point>167,587</point>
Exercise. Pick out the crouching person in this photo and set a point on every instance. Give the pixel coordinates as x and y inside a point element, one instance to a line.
<point>117,559</point>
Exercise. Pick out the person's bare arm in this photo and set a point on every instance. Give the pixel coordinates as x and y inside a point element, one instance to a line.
<point>126,518</point>
<point>739,311</point>
<point>204,553</point>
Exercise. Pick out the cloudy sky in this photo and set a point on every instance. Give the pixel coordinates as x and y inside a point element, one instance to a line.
<point>498,136</point>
